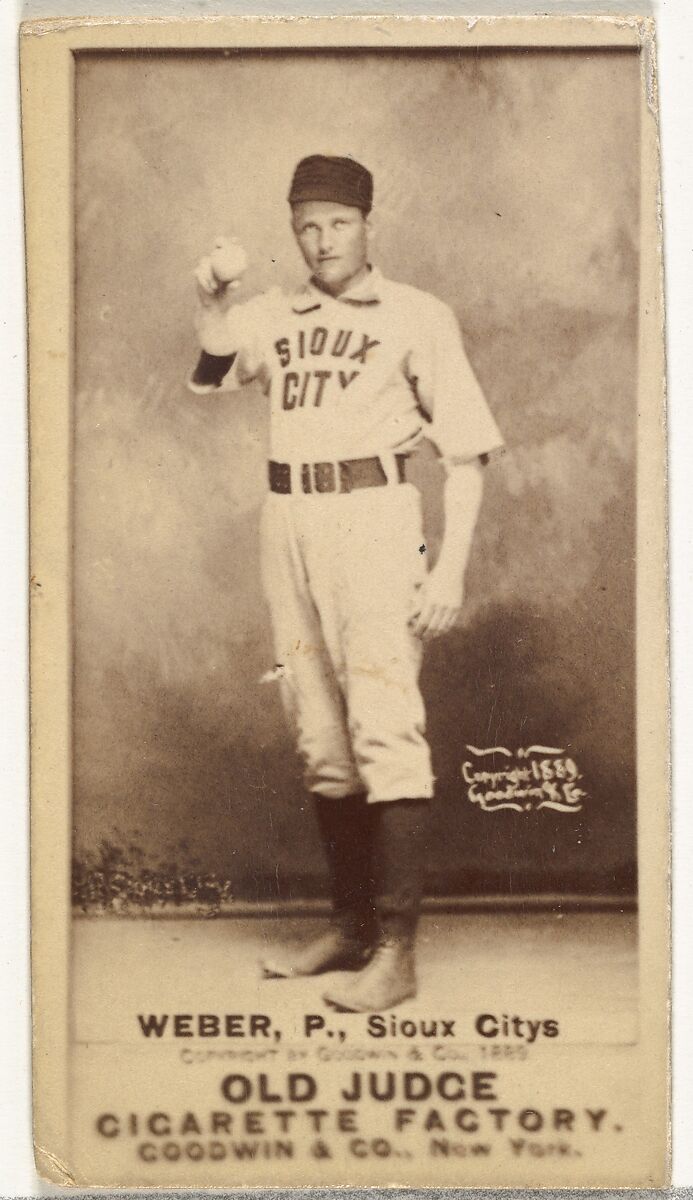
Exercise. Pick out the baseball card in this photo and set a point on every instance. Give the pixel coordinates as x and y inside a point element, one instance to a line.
<point>350,825</point>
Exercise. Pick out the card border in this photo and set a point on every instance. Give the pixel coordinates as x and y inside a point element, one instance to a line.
<point>47,75</point>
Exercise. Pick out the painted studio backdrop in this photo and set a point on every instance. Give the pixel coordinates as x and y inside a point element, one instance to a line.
<point>507,184</point>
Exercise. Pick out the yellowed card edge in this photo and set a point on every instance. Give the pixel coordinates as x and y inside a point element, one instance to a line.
<point>47,49</point>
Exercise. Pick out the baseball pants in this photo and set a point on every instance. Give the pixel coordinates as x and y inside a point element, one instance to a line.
<point>340,573</point>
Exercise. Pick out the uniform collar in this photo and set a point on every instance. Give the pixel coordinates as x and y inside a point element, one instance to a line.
<point>367,291</point>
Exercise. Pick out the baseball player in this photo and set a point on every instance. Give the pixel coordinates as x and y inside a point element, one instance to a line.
<point>358,369</point>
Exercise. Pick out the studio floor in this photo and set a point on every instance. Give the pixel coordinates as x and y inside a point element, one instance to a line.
<point>146,1089</point>
<point>579,969</point>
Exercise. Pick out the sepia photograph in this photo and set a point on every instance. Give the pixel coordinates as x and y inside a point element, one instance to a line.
<point>363,789</point>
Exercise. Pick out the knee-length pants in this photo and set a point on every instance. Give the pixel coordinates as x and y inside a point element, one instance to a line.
<point>340,572</point>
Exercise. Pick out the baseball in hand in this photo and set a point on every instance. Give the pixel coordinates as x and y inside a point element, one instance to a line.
<point>228,259</point>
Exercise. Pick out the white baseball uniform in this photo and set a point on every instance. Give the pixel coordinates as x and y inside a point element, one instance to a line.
<point>362,376</point>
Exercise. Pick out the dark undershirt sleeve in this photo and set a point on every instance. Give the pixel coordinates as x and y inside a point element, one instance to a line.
<point>211,369</point>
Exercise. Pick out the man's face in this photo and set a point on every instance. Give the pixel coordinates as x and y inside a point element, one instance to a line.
<point>333,239</point>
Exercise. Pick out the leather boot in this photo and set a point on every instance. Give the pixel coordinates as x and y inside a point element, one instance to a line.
<point>346,833</point>
<point>390,976</point>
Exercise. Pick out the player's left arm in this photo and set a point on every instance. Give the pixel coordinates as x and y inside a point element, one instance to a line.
<point>465,433</point>
<point>440,598</point>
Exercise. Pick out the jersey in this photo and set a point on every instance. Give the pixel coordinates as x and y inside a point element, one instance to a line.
<point>370,372</point>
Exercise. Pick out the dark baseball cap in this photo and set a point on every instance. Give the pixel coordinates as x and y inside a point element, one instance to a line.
<point>342,180</point>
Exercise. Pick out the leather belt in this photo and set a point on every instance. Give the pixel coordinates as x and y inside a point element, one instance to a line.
<point>323,477</point>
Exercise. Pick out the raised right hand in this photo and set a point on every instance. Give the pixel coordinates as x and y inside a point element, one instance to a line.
<point>221,271</point>
<point>208,285</point>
